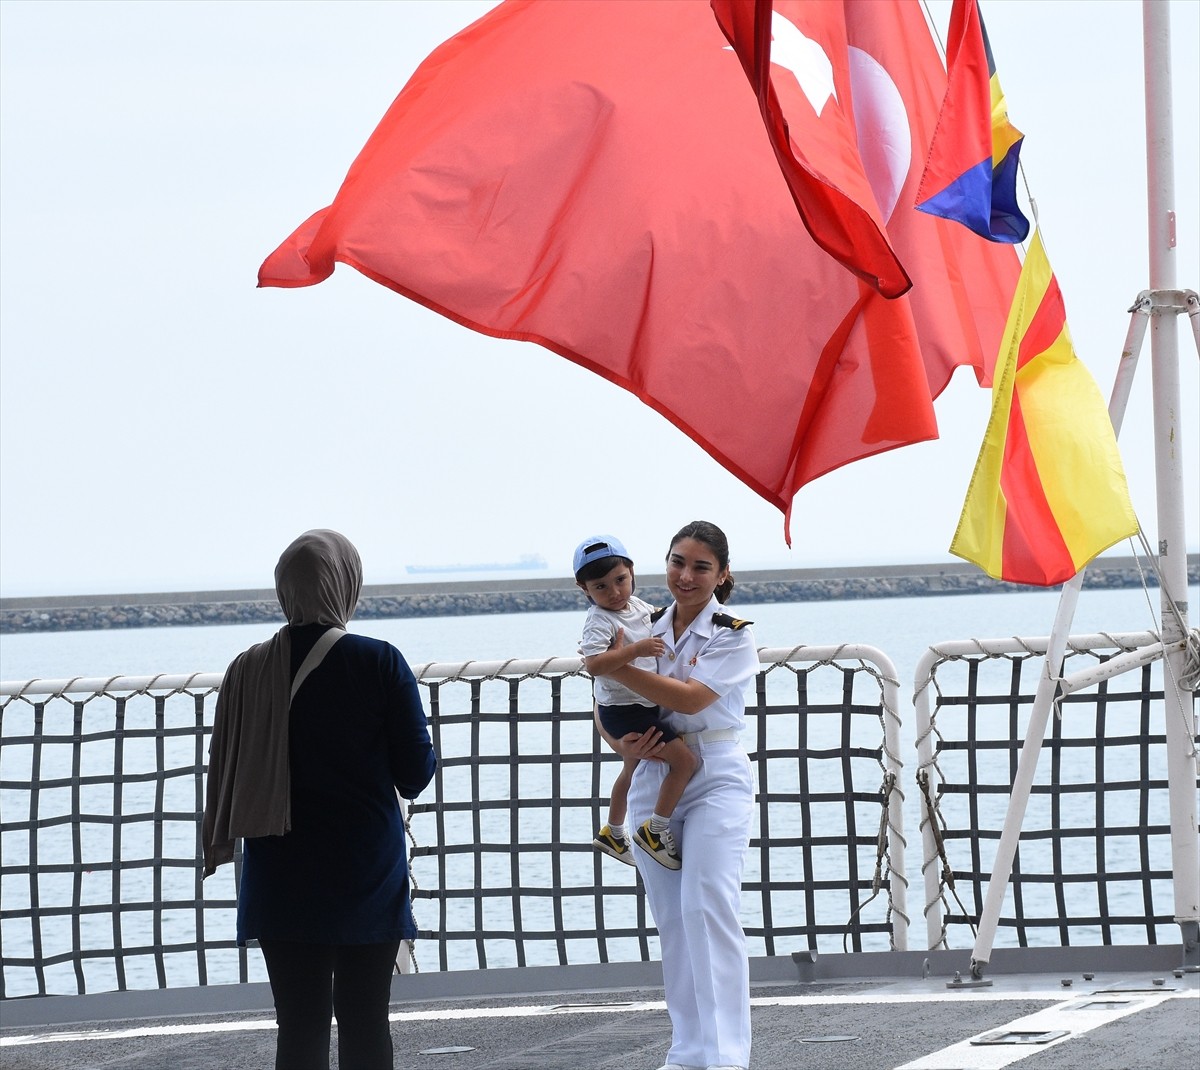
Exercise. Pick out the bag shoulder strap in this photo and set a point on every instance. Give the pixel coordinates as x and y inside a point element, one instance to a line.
<point>316,656</point>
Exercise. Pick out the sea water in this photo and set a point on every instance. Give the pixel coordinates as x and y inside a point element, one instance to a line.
<point>901,628</point>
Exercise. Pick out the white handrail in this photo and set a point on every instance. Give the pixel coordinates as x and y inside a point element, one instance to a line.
<point>430,671</point>
<point>100,685</point>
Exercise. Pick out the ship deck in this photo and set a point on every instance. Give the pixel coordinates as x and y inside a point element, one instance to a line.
<point>125,907</point>
<point>1136,1009</point>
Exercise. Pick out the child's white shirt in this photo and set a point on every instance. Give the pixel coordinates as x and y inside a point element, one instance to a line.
<point>600,629</point>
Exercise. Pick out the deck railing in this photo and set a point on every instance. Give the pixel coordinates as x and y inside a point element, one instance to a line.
<point>101,786</point>
<point>1094,861</point>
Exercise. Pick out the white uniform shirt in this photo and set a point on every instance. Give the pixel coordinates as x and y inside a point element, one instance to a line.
<point>599,631</point>
<point>723,659</point>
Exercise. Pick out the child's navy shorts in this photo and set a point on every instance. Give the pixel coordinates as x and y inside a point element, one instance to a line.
<point>619,721</point>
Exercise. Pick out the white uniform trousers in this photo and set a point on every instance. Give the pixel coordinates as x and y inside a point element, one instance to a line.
<point>706,972</point>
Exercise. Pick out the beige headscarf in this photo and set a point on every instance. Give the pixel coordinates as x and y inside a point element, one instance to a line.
<point>318,580</point>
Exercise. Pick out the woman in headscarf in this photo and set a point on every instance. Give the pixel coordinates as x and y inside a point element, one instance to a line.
<point>316,733</point>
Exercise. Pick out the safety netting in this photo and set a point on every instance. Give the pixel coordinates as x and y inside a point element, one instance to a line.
<point>1093,862</point>
<point>503,878</point>
<point>100,889</point>
<point>101,792</point>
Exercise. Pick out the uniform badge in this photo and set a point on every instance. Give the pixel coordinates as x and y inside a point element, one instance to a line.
<point>726,621</point>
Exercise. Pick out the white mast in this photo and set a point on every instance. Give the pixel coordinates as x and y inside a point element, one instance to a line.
<point>1168,303</point>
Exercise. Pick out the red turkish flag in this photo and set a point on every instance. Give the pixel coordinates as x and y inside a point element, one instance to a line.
<point>962,284</point>
<point>594,177</point>
<point>814,141</point>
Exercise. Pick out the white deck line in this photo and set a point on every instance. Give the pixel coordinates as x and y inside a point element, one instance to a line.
<point>1066,1016</point>
<point>1038,990</point>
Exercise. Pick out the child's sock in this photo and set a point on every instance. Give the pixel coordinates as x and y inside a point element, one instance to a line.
<point>658,822</point>
<point>618,831</point>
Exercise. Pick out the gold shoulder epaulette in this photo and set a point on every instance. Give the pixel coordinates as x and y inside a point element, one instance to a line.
<point>726,621</point>
<point>655,614</point>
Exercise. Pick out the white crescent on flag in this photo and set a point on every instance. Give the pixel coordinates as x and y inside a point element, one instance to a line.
<point>880,119</point>
<point>882,129</point>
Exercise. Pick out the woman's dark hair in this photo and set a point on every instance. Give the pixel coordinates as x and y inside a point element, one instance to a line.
<point>600,568</point>
<point>714,538</point>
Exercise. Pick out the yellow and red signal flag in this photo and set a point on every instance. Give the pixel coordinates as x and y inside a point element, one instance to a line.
<point>1048,492</point>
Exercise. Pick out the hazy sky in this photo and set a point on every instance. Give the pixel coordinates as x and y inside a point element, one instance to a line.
<point>164,425</point>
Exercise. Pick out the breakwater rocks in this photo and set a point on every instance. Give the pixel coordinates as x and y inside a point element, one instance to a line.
<point>100,612</point>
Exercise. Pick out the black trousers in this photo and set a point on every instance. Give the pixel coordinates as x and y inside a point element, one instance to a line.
<point>311,983</point>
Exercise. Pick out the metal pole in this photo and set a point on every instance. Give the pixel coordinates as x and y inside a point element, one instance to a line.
<point>895,811</point>
<point>1035,733</point>
<point>1139,320</point>
<point>1164,355</point>
<point>930,854</point>
<point>1039,716</point>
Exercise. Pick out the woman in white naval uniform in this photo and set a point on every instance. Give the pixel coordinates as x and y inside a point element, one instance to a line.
<point>709,660</point>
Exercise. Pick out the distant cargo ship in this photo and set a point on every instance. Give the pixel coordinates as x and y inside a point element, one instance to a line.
<point>523,563</point>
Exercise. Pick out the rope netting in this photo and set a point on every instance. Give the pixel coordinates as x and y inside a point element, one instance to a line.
<point>100,889</point>
<point>1093,863</point>
<point>101,789</point>
<point>502,881</point>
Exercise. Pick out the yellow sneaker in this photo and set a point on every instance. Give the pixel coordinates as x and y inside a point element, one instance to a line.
<point>613,846</point>
<point>658,845</point>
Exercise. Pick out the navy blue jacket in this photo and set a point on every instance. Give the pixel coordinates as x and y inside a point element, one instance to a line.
<point>357,736</point>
